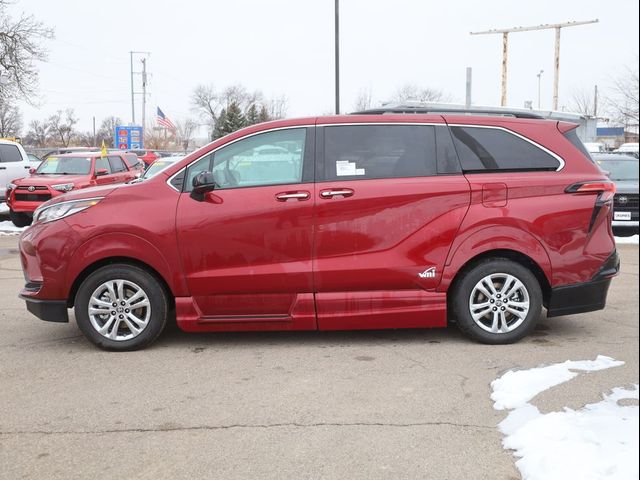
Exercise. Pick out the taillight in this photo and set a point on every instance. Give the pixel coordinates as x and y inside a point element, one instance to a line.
<point>605,188</point>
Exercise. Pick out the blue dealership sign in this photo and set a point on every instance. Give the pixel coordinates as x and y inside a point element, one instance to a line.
<point>128,138</point>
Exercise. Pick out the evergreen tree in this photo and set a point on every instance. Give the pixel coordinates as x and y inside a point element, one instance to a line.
<point>252,115</point>
<point>229,120</point>
<point>264,115</point>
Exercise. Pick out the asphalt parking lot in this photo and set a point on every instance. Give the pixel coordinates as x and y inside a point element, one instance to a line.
<point>357,405</point>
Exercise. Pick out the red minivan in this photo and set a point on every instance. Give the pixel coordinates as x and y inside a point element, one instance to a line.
<point>365,221</point>
<point>62,173</point>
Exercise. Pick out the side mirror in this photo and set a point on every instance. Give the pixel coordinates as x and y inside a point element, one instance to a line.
<point>202,183</point>
<point>101,171</point>
<point>32,170</point>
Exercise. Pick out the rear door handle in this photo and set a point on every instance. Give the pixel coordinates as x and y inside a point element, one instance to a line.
<point>284,196</point>
<point>345,192</point>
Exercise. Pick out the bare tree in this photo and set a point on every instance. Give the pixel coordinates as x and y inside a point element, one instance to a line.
<point>624,99</point>
<point>106,132</point>
<point>277,107</point>
<point>37,135</point>
<point>10,120</point>
<point>413,93</point>
<point>20,46</point>
<point>364,100</point>
<point>185,129</point>
<point>582,101</point>
<point>61,126</point>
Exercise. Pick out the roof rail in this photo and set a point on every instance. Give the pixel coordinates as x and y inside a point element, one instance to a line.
<point>437,109</point>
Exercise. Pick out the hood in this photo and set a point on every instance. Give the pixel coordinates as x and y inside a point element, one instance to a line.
<point>626,186</point>
<point>47,180</point>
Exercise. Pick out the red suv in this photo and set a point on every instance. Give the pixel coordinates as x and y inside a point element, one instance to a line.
<point>62,173</point>
<point>336,223</point>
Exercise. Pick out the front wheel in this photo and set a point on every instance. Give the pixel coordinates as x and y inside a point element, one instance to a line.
<point>20,219</point>
<point>121,307</point>
<point>497,302</point>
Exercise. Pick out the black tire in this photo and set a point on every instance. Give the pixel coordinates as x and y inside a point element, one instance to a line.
<point>151,286</point>
<point>625,231</point>
<point>20,219</point>
<point>464,288</point>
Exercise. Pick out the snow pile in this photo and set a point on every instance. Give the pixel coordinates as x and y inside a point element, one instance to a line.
<point>8,228</point>
<point>3,208</point>
<point>599,441</point>
<point>628,240</point>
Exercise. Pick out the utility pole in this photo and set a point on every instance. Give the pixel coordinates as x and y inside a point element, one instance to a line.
<point>595,101</point>
<point>144,94</point>
<point>133,93</point>
<point>94,132</point>
<point>505,33</point>
<point>337,54</point>
<point>539,88</point>
<point>467,102</point>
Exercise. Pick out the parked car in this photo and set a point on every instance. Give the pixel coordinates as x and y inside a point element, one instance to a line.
<point>623,170</point>
<point>628,149</point>
<point>159,165</point>
<point>147,156</point>
<point>34,158</point>
<point>14,163</point>
<point>61,174</point>
<point>386,221</point>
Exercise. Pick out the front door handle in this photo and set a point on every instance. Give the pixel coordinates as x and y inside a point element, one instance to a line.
<point>284,196</point>
<point>345,192</point>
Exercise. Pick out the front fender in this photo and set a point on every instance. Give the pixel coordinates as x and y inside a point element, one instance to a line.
<point>494,238</point>
<point>120,244</point>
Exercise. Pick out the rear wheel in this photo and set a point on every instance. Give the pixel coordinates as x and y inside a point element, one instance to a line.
<point>121,307</point>
<point>497,302</point>
<point>20,219</point>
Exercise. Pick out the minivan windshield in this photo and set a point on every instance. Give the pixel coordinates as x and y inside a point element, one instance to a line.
<point>159,165</point>
<point>620,169</point>
<point>65,166</point>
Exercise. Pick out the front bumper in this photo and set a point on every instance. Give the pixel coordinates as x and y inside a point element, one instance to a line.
<point>47,310</point>
<point>584,297</point>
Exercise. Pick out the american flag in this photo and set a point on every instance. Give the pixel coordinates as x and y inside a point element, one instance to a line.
<point>163,120</point>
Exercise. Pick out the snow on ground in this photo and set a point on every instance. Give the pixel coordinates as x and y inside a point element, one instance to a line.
<point>596,442</point>
<point>3,208</point>
<point>8,228</point>
<point>629,240</point>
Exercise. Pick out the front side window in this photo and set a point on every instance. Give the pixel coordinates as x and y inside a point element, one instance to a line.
<point>492,149</point>
<point>102,164</point>
<point>117,165</point>
<point>271,158</point>
<point>361,152</point>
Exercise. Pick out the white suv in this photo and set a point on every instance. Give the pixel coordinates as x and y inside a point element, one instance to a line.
<point>14,163</point>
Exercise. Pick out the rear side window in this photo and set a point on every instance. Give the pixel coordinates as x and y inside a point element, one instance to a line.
<point>9,153</point>
<point>361,152</point>
<point>492,149</point>
<point>117,165</point>
<point>572,136</point>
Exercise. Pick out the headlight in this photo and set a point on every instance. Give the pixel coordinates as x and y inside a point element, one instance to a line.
<point>49,213</point>
<point>63,187</point>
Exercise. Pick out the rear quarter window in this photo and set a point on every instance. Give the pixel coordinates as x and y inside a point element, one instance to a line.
<point>492,149</point>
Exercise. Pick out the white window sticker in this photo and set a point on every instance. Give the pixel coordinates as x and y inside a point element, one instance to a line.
<point>345,168</point>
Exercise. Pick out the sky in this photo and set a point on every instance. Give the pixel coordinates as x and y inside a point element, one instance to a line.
<point>285,47</point>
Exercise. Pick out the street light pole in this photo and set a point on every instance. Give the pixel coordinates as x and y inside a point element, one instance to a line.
<point>337,54</point>
<point>539,76</point>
